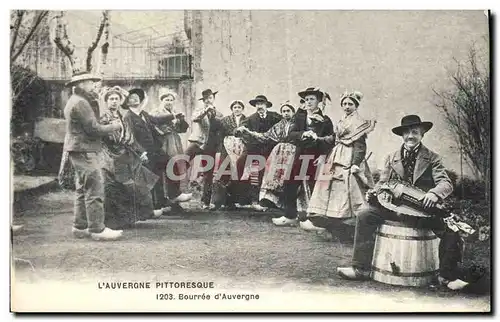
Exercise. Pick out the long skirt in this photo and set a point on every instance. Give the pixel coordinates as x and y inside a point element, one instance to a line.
<point>127,189</point>
<point>279,167</point>
<point>342,194</point>
<point>226,190</point>
<point>172,146</point>
<point>234,147</point>
<point>125,203</point>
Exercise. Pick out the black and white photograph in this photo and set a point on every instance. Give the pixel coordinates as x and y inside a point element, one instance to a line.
<point>221,161</point>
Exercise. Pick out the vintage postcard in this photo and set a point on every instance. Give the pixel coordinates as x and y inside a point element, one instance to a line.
<point>250,161</point>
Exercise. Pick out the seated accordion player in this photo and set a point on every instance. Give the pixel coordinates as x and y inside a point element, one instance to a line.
<point>406,199</point>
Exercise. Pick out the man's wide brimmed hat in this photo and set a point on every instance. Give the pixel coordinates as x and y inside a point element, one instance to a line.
<point>206,93</point>
<point>312,91</point>
<point>83,76</point>
<point>260,99</point>
<point>409,121</point>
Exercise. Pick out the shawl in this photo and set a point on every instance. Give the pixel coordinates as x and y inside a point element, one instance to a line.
<point>352,127</point>
<point>278,132</point>
<point>116,143</point>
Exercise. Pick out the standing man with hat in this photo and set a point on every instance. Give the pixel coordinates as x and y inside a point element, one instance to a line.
<point>260,121</point>
<point>83,143</point>
<point>205,138</point>
<point>417,165</point>
<point>149,144</point>
<point>309,132</point>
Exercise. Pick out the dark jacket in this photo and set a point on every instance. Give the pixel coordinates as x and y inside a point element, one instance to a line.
<point>316,148</point>
<point>146,132</point>
<point>83,131</point>
<point>257,124</point>
<point>322,130</point>
<point>215,138</point>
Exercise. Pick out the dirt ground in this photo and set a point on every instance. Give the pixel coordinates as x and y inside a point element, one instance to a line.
<point>241,249</point>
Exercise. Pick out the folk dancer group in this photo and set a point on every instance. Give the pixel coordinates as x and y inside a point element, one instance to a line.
<point>120,162</point>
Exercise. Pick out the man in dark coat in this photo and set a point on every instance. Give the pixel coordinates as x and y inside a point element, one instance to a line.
<point>423,168</point>
<point>83,144</point>
<point>260,122</point>
<point>148,144</point>
<point>309,124</point>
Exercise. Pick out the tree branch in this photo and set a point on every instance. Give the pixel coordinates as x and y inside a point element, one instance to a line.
<point>93,46</point>
<point>66,49</point>
<point>63,43</point>
<point>467,112</point>
<point>37,22</point>
<point>17,25</point>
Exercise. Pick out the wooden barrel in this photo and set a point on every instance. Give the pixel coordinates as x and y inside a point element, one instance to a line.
<point>405,255</point>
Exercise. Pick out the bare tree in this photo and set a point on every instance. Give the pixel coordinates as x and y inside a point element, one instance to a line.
<point>63,42</point>
<point>24,28</point>
<point>467,111</point>
<point>93,46</point>
<point>22,31</point>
